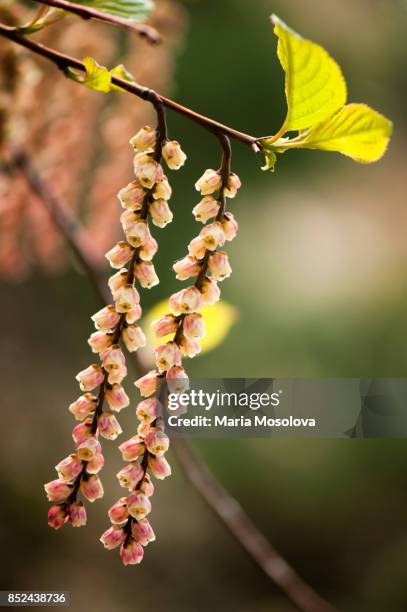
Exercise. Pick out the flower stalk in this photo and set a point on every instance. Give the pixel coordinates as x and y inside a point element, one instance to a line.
<point>116,322</point>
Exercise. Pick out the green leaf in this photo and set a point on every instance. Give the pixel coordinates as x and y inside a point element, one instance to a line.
<point>97,77</point>
<point>356,131</point>
<point>270,157</point>
<point>136,10</point>
<point>121,72</point>
<point>314,85</point>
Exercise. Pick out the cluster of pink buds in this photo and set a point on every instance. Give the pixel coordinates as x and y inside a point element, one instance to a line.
<point>101,383</point>
<point>208,265</point>
<point>144,452</point>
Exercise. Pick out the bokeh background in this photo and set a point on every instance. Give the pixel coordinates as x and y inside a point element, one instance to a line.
<point>320,283</point>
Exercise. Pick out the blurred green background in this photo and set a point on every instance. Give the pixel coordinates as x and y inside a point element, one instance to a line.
<point>320,282</point>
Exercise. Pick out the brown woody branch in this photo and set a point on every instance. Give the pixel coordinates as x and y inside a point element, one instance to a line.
<point>64,62</point>
<point>86,12</point>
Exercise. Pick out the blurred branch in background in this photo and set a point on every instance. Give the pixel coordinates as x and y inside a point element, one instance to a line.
<point>145,31</point>
<point>224,505</point>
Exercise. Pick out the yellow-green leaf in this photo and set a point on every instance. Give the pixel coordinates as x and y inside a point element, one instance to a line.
<point>97,77</point>
<point>356,131</point>
<point>121,72</point>
<point>314,84</point>
<point>270,158</point>
<point>219,319</point>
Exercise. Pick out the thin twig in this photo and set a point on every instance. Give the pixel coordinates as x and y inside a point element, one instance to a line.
<point>64,62</point>
<point>86,12</point>
<point>224,505</point>
<point>76,236</point>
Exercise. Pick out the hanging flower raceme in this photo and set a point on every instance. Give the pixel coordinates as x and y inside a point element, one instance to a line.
<point>144,453</point>
<point>101,383</point>
<point>208,263</point>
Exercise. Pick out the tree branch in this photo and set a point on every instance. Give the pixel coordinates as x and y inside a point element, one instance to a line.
<point>246,532</point>
<point>224,505</point>
<point>63,62</point>
<point>86,12</point>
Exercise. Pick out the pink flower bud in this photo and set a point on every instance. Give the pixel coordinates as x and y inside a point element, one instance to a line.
<point>218,264</point>
<point>143,428</point>
<point>120,254</point>
<point>138,505</point>
<point>177,380</point>
<point>81,431</point>
<point>95,464</point>
<point>159,467</point>
<point>148,249</point>
<point>147,384</point>
<point>117,398</point>
<point>187,267</point>
<point>210,291</point>
<point>197,248</point>
<point>88,448</point>
<point>186,301</point>
<point>99,341</point>
<point>230,226</point>
<point>109,426</point>
<point>142,532</point>
<point>173,155</point>
<point>106,319</point>
<point>83,406</point>
<point>117,281</point>
<point>118,513</point>
<point>167,355</point>
<point>57,489</point>
<point>189,347</point>
<point>147,486</point>
<point>128,218</point>
<point>149,409</point>
<point>157,442</point>
<point>207,208</point>
<point>91,377</point>
<point>113,537</point>
<point>69,468</point>
<point>134,314</point>
<point>165,326</point>
<point>144,140</point>
<point>162,190</point>
<point>177,409</point>
<point>130,475</point>
<point>132,449</point>
<point>57,517</point>
<point>137,233</point>
<point>160,213</point>
<point>131,553</point>
<point>132,195</point>
<point>126,298</point>
<point>147,170</point>
<point>233,185</point>
<point>92,488</point>
<point>114,363</point>
<point>77,514</point>
<point>212,235</point>
<point>133,337</point>
<point>194,326</point>
<point>209,182</point>
<point>145,274</point>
